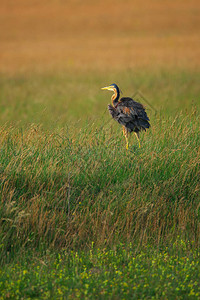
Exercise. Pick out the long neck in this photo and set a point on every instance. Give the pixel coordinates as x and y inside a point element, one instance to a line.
<point>115,98</point>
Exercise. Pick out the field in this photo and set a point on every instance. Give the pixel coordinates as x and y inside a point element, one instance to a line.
<point>81,217</point>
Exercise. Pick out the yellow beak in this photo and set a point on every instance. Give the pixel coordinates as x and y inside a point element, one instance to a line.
<point>107,88</point>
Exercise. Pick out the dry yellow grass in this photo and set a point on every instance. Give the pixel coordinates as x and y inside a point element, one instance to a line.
<point>49,35</point>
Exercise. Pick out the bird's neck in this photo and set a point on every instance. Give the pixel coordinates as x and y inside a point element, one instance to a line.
<point>115,98</point>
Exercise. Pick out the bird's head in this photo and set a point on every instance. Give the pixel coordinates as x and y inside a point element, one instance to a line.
<point>113,87</point>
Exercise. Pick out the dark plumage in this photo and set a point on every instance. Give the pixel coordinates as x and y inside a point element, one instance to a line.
<point>127,112</point>
<point>130,114</point>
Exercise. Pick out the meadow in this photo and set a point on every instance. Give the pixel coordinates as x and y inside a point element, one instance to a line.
<point>80,216</point>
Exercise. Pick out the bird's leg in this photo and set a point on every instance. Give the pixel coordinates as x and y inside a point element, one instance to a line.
<point>125,132</point>
<point>137,136</point>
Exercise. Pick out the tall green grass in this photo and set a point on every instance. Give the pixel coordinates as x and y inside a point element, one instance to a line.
<point>68,185</point>
<point>67,190</point>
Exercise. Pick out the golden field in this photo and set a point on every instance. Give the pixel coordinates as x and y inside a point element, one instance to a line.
<point>109,35</point>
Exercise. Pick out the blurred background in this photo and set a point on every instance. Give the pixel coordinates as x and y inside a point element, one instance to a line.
<point>93,34</point>
<point>55,55</point>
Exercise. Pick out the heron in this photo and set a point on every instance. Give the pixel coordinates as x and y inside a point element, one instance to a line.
<point>127,112</point>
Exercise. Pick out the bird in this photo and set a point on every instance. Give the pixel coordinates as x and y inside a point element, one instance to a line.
<point>127,112</point>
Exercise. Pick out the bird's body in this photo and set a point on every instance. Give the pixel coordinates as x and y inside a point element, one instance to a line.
<point>127,112</point>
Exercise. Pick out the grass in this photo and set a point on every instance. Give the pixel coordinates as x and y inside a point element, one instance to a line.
<point>119,273</point>
<point>74,202</point>
<point>56,100</point>
<point>81,190</point>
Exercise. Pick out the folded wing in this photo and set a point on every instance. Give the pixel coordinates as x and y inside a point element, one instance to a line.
<point>130,114</point>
